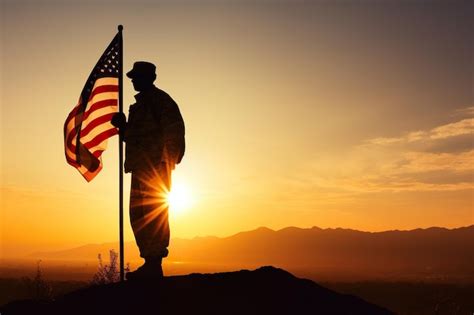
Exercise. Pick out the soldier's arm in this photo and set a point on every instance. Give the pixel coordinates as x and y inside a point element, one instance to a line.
<point>173,131</point>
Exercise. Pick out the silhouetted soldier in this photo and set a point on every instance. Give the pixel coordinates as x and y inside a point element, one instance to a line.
<point>154,137</point>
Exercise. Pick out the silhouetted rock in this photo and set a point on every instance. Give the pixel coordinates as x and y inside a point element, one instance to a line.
<point>267,290</point>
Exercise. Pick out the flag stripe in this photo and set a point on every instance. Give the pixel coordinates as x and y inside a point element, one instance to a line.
<point>110,98</point>
<point>97,153</point>
<point>103,118</point>
<point>103,88</point>
<point>99,127</point>
<point>96,141</point>
<point>96,99</point>
<point>94,115</point>
<point>71,161</point>
<point>88,175</point>
<point>102,85</point>
<point>74,112</point>
<point>99,105</point>
<point>101,97</point>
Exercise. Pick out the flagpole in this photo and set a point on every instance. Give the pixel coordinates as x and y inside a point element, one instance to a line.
<point>122,273</point>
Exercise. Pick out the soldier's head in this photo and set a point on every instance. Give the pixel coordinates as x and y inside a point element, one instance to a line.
<point>142,75</point>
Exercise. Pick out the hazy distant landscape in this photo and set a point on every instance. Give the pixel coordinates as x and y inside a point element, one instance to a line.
<point>410,272</point>
<point>431,255</point>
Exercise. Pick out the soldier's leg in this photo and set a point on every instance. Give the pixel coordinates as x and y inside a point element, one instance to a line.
<point>138,209</point>
<point>149,211</point>
<point>160,230</point>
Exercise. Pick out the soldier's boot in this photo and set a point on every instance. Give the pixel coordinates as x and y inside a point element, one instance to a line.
<point>150,270</point>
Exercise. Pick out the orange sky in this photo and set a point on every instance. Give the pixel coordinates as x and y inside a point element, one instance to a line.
<point>331,115</point>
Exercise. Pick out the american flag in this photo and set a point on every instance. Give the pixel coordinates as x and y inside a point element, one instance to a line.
<point>88,126</point>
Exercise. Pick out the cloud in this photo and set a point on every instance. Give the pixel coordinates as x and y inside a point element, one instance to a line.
<point>419,171</point>
<point>436,159</point>
<point>463,127</point>
<point>376,185</point>
<point>466,111</point>
<point>427,161</point>
<point>454,129</point>
<point>440,177</point>
<point>456,144</point>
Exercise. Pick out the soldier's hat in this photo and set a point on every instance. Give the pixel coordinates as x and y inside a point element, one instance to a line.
<point>142,69</point>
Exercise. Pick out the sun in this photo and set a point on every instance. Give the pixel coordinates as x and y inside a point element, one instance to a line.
<point>180,198</point>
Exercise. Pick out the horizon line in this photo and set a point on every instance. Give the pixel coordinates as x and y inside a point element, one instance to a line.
<point>298,228</point>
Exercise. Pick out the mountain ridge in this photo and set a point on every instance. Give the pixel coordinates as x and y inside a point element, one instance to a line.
<point>420,254</point>
<point>468,227</point>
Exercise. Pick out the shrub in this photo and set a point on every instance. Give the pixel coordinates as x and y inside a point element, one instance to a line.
<point>38,288</point>
<point>108,273</point>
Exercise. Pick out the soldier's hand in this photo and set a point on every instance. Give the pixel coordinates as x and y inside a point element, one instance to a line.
<point>119,120</point>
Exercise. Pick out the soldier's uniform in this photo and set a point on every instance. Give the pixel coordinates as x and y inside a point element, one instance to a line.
<point>154,145</point>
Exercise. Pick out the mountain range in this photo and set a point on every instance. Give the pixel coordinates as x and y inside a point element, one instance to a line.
<point>436,254</point>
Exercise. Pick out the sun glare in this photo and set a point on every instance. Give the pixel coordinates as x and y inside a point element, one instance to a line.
<point>180,198</point>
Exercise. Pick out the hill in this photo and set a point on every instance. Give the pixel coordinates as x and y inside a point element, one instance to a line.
<point>266,290</point>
